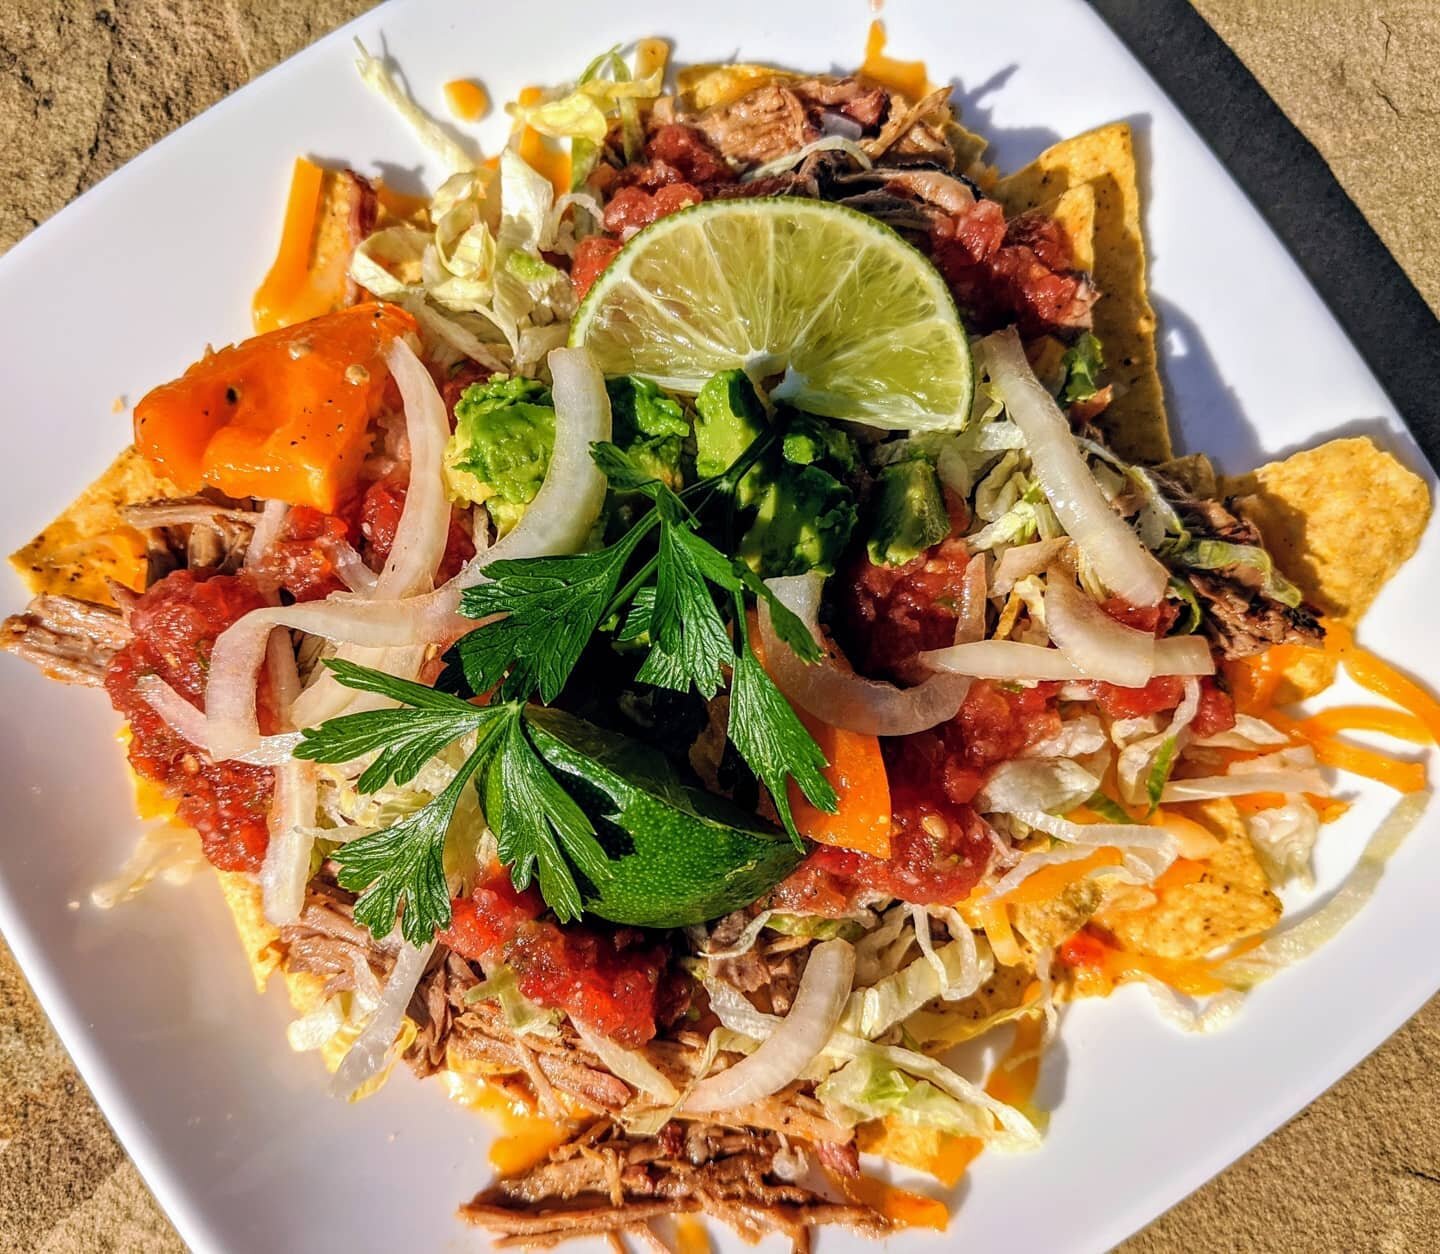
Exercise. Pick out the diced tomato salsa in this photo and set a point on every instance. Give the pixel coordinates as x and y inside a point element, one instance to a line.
<point>380,511</point>
<point>175,625</point>
<point>302,559</point>
<point>891,613</point>
<point>1165,692</point>
<point>612,979</point>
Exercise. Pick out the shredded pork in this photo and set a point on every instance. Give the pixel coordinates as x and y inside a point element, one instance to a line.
<point>68,639</point>
<point>605,1181</point>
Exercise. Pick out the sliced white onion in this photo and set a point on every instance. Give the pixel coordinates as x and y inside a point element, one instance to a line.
<point>970,621</point>
<point>351,568</point>
<point>629,1065</point>
<point>1093,642</point>
<point>559,519</point>
<point>789,160</point>
<point>1184,655</point>
<point>424,524</point>
<point>1015,660</point>
<point>267,530</point>
<point>189,723</point>
<point>1115,553</point>
<point>838,696</point>
<point>366,1058</point>
<point>1207,786</point>
<point>286,869</point>
<point>784,1055</point>
<point>235,663</point>
<point>1025,560</point>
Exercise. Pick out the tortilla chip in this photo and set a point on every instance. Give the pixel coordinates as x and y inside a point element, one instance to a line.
<point>1134,422</point>
<point>1231,901</point>
<point>258,938</point>
<point>1340,520</point>
<point>1075,212</point>
<point>1045,924</point>
<point>90,540</point>
<point>703,86</point>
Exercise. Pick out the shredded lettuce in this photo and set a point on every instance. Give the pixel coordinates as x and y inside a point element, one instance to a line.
<point>1221,554</point>
<point>1056,784</point>
<point>586,111</point>
<point>885,1003</point>
<point>883,1081</point>
<point>430,133</point>
<point>1082,363</point>
<point>522,1015</point>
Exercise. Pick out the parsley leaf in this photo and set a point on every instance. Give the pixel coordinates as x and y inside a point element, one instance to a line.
<point>404,866</point>
<point>401,870</point>
<point>531,813</point>
<point>772,739</point>
<point>552,606</point>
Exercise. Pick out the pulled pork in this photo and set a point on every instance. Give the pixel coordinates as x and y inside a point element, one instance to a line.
<point>1241,616</point>
<point>68,639</point>
<point>604,1182</point>
<point>192,533</point>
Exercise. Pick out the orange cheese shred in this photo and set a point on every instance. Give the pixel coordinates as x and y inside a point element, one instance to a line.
<point>910,78</point>
<point>1330,750</point>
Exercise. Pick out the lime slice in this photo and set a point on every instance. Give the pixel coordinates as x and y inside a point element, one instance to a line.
<point>860,323</point>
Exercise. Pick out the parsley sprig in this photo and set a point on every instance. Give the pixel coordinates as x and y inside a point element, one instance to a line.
<point>540,830</point>
<point>674,595</point>
<point>552,606</point>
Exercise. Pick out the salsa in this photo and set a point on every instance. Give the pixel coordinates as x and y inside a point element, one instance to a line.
<point>174,627</point>
<point>613,979</point>
<point>380,511</point>
<point>302,558</point>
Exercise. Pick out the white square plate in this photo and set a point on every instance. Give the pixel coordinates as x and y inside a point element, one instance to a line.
<point>122,290</point>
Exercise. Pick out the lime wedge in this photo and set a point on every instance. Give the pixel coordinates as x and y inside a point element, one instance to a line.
<point>860,324</point>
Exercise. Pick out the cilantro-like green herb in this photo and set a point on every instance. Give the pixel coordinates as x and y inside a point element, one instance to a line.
<point>542,612</point>
<point>1082,363</point>
<point>401,870</point>
<point>553,605</point>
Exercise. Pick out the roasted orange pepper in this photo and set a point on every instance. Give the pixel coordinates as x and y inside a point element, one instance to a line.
<point>284,416</point>
<point>856,771</point>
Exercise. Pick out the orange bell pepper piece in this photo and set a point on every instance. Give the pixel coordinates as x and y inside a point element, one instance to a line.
<point>856,772</point>
<point>284,416</point>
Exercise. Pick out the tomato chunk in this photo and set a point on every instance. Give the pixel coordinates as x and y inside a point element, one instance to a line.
<point>592,255</point>
<point>380,511</point>
<point>613,980</point>
<point>302,558</point>
<point>175,625</point>
<point>284,416</point>
<point>1216,713</point>
<point>487,920</point>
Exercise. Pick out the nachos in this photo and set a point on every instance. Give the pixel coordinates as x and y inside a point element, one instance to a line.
<point>700,617</point>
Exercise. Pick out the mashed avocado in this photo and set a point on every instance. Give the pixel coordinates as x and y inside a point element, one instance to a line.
<point>909,513</point>
<point>803,506</point>
<point>648,425</point>
<point>500,450</point>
